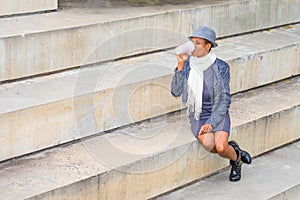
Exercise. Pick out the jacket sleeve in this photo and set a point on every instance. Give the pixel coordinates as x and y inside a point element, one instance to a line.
<point>177,83</point>
<point>222,97</point>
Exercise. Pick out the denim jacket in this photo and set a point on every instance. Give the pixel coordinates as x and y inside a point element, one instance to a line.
<point>221,97</point>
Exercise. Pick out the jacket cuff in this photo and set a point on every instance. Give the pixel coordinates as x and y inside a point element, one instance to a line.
<point>179,72</point>
<point>209,121</point>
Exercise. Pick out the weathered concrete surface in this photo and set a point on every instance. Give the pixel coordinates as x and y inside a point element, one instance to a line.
<point>52,110</point>
<point>273,176</point>
<point>74,37</point>
<point>261,58</point>
<point>147,159</point>
<point>12,7</point>
<point>291,193</point>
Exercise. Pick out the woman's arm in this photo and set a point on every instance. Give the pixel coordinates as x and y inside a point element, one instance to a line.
<point>177,85</point>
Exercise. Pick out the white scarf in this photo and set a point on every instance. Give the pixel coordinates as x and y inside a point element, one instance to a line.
<point>195,82</point>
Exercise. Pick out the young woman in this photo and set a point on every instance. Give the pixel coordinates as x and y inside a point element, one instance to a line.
<point>203,81</point>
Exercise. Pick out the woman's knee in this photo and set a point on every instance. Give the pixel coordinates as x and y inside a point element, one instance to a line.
<point>221,147</point>
<point>221,142</point>
<point>207,142</point>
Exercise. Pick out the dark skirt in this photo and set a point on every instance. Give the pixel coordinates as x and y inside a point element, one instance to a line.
<point>196,124</point>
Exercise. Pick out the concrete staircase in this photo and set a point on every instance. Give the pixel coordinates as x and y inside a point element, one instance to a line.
<point>273,176</point>
<point>78,122</point>
<point>77,36</point>
<point>150,158</point>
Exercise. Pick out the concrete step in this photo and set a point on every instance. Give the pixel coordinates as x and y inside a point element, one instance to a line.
<point>14,7</point>
<point>60,108</point>
<point>291,193</point>
<point>77,36</point>
<point>273,176</point>
<point>153,157</point>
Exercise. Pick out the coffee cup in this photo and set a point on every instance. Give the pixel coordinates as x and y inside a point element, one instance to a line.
<point>187,48</point>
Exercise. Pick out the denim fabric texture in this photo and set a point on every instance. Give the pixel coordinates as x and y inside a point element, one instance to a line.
<point>221,97</point>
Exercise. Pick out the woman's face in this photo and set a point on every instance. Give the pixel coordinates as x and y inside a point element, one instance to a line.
<point>201,49</point>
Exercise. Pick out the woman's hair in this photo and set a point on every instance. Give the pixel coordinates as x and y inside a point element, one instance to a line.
<point>208,42</point>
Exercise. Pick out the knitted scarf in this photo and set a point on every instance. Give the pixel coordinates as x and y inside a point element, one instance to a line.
<point>195,82</point>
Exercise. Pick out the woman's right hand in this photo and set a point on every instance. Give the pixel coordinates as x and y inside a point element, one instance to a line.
<point>181,58</point>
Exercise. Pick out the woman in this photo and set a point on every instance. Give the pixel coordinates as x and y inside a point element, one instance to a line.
<point>203,81</point>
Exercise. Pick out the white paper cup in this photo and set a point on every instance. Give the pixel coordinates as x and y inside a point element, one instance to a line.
<point>187,47</point>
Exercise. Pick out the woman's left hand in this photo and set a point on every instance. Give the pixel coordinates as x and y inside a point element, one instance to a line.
<point>206,128</point>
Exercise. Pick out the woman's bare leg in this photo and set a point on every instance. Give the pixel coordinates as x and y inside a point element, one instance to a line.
<point>208,142</point>
<point>222,147</point>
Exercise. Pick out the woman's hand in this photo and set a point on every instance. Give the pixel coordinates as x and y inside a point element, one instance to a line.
<point>181,59</point>
<point>206,128</point>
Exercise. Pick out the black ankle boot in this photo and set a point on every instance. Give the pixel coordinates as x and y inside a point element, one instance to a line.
<point>236,169</point>
<point>245,156</point>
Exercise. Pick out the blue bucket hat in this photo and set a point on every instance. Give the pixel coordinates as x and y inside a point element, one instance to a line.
<point>205,33</point>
